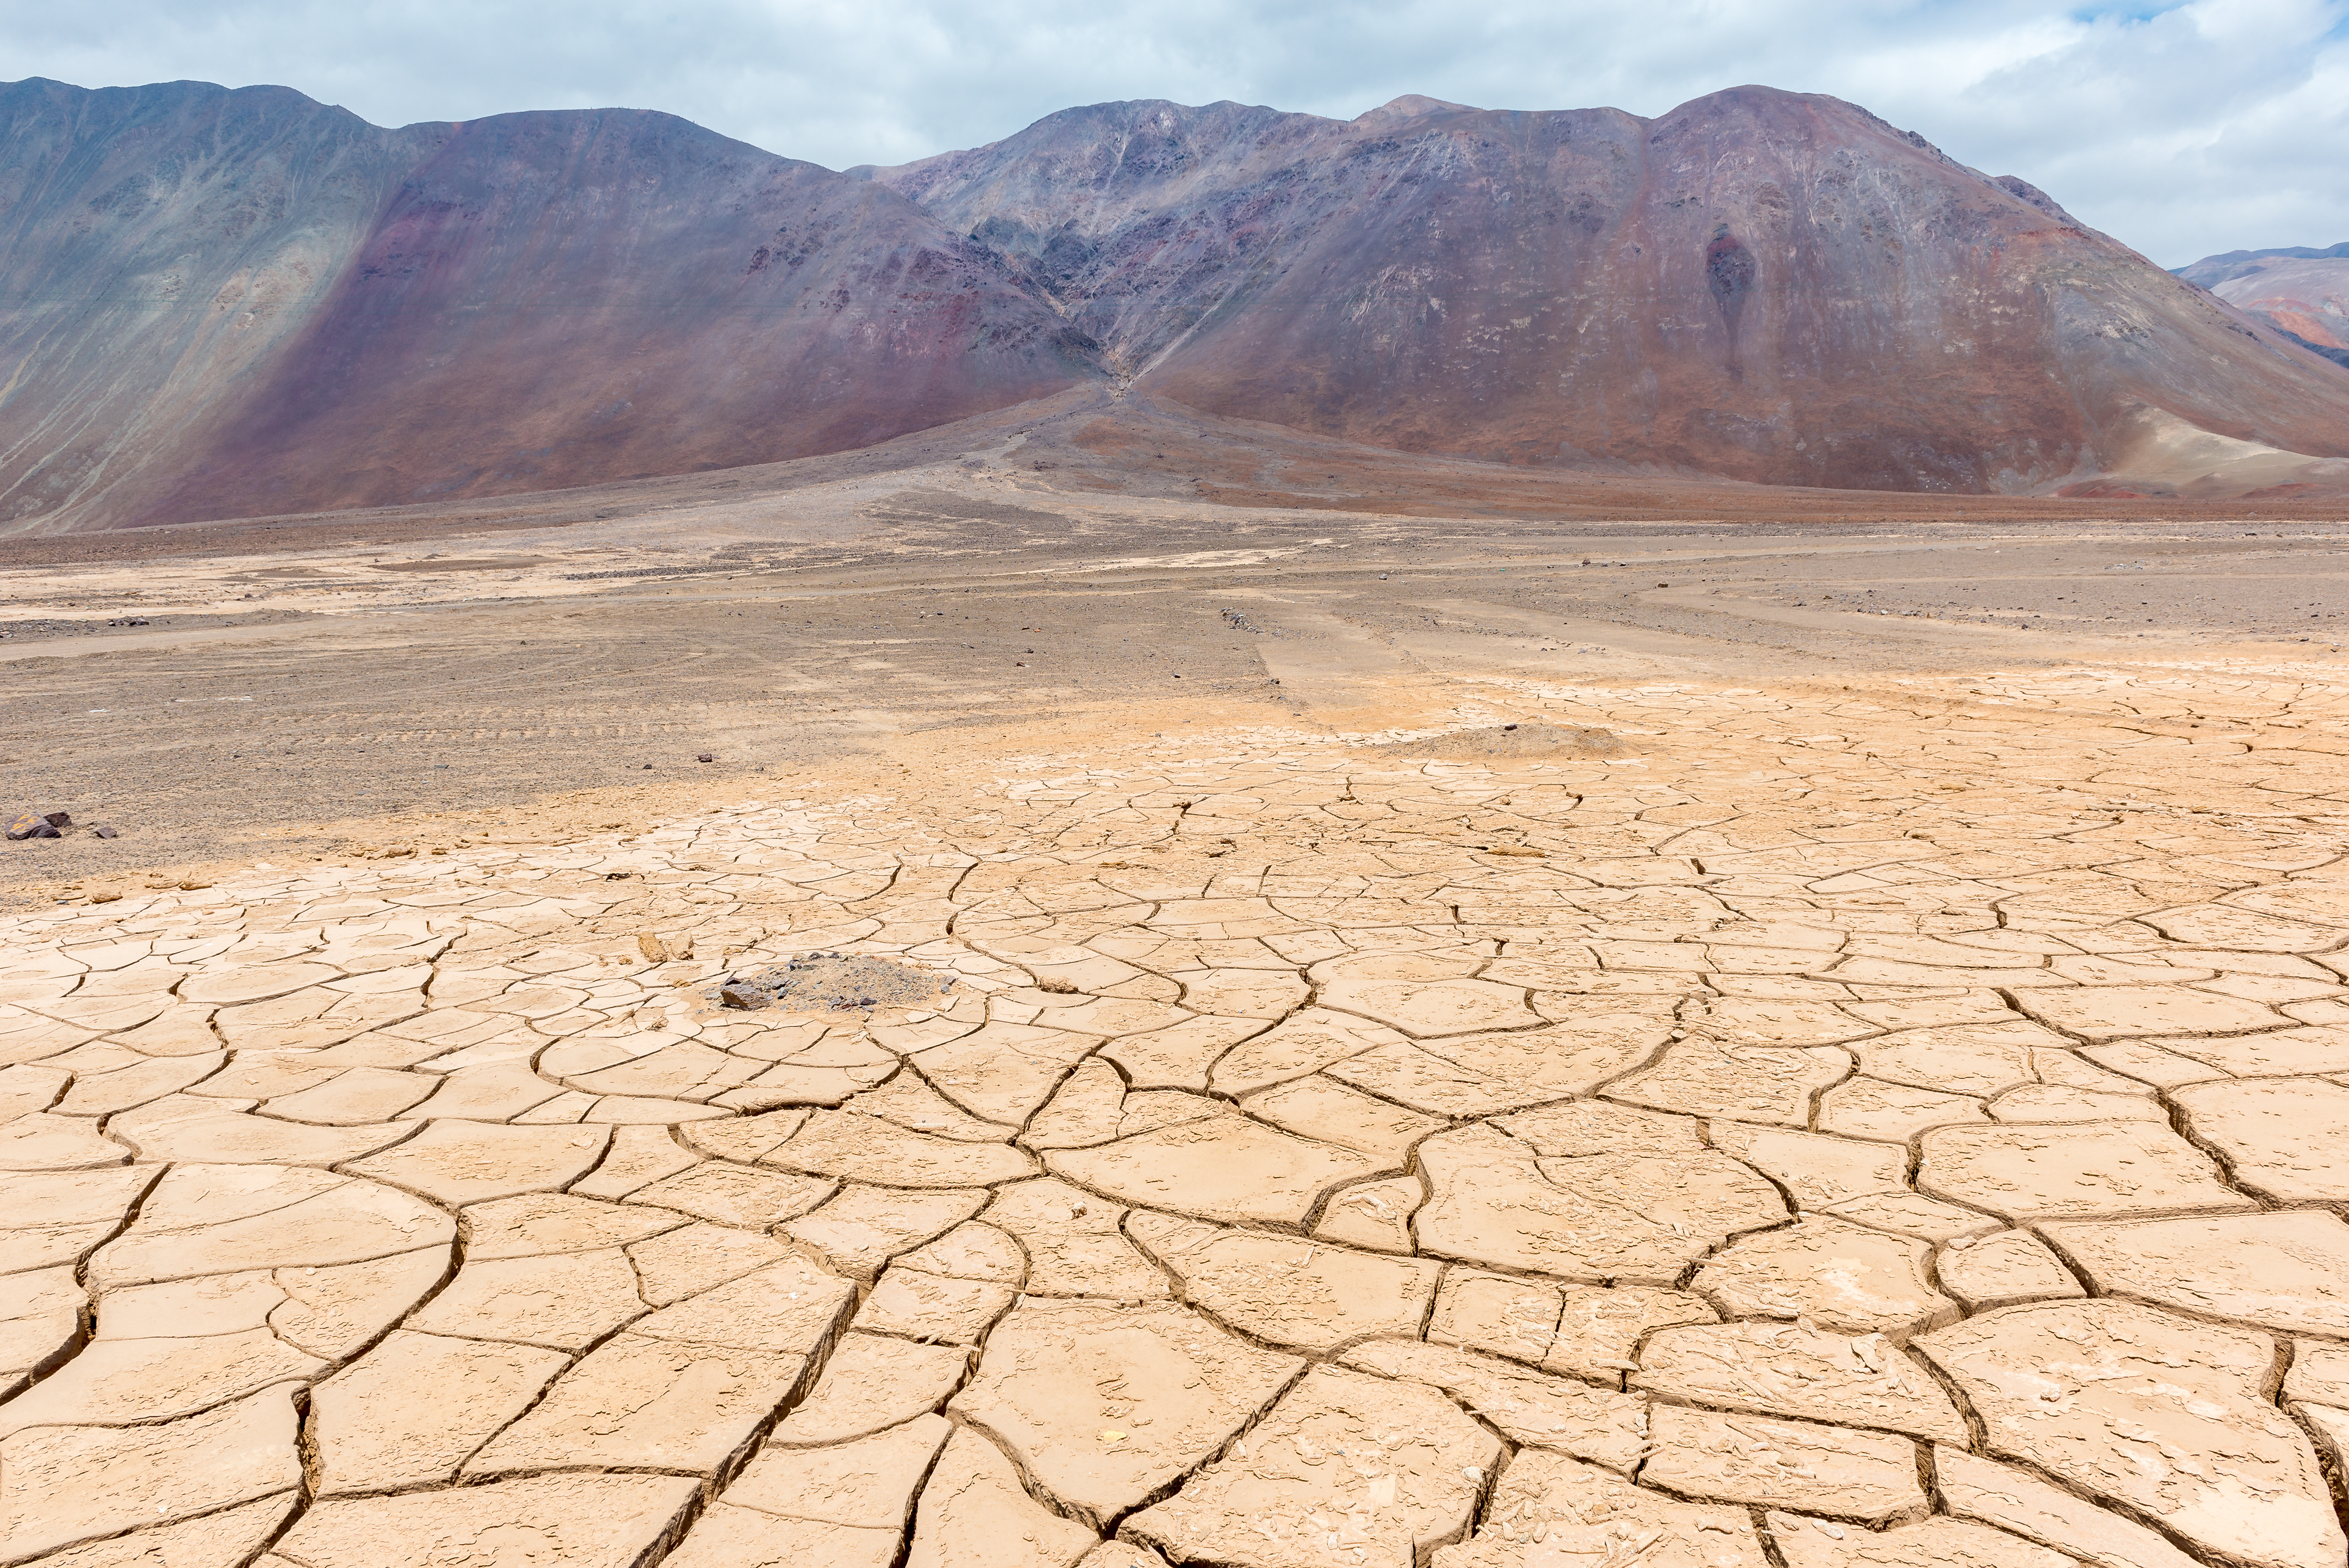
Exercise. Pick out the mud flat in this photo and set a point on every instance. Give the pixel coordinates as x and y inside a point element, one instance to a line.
<point>1882,1102</point>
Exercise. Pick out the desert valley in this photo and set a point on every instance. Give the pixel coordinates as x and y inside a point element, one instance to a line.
<point>1462,839</point>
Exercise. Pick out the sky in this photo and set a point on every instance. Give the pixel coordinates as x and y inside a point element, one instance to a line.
<point>2180,128</point>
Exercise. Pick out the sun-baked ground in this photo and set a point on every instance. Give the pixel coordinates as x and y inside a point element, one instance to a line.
<point>1535,1065</point>
<point>303,687</point>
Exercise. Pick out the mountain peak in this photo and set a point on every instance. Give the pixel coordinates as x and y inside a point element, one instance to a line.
<point>1410,106</point>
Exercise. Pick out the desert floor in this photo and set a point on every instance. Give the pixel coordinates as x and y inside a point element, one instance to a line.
<point>1366,1036</point>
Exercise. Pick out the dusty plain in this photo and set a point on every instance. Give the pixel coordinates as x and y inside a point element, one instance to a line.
<point>1461,1017</point>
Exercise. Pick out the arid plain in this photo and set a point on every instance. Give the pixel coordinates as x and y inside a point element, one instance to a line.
<point>1395,1013</point>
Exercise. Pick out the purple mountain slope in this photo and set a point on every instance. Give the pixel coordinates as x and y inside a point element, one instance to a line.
<point>218,303</point>
<point>1763,285</point>
<point>2301,292</point>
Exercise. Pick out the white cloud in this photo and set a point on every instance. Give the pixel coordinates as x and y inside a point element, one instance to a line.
<point>2182,128</point>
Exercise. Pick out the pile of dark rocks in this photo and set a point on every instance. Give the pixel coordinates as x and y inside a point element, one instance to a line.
<point>49,825</point>
<point>828,982</point>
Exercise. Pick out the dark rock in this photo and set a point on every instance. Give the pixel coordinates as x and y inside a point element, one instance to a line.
<point>33,825</point>
<point>105,832</point>
<point>817,982</point>
<point>705,757</point>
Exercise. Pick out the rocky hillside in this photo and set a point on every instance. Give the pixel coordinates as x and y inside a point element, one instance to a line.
<point>221,303</point>
<point>218,304</point>
<point>1762,284</point>
<point>2302,293</point>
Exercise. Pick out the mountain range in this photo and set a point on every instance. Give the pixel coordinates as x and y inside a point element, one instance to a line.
<point>2303,294</point>
<point>219,303</point>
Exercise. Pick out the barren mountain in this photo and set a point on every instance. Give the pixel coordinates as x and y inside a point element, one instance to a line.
<point>2302,293</point>
<point>159,248</point>
<point>222,304</point>
<point>1767,286</point>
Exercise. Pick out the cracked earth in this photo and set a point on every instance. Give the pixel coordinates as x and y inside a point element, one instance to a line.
<point>1858,1078</point>
<point>1820,1130</point>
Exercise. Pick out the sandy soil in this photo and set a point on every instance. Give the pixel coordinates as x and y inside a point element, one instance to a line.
<point>304,685</point>
<point>1860,1074</point>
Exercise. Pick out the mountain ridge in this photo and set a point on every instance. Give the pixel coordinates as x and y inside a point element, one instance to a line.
<point>2300,291</point>
<point>1770,286</point>
<point>2218,268</point>
<point>450,310</point>
<point>220,303</point>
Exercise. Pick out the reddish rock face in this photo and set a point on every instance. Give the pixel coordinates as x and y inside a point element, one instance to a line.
<point>2299,291</point>
<point>1768,285</point>
<point>222,304</point>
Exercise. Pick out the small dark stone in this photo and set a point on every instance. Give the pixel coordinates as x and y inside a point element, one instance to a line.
<point>705,757</point>
<point>105,832</point>
<point>58,819</point>
<point>32,825</point>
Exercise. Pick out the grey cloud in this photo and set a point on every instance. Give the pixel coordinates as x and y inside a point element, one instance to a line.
<point>2182,128</point>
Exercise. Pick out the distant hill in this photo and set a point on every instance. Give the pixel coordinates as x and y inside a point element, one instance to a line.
<point>2213,270</point>
<point>2303,293</point>
<point>218,304</point>
<point>1767,286</point>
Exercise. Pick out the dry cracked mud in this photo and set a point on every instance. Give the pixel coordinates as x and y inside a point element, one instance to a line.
<point>1270,1174</point>
<point>1869,1124</point>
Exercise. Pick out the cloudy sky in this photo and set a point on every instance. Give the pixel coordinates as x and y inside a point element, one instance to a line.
<point>2181,128</point>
